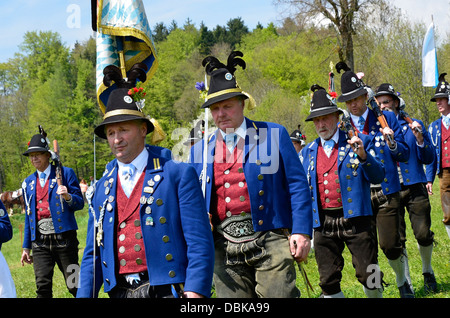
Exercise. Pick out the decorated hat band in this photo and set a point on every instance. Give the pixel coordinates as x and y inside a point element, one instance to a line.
<point>119,112</point>
<point>223,92</point>
<point>37,148</point>
<point>322,109</point>
<point>252,102</point>
<point>353,91</point>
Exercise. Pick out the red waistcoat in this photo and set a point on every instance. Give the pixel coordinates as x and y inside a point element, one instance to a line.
<point>365,129</point>
<point>42,205</point>
<point>130,245</point>
<point>445,146</point>
<point>328,179</point>
<point>231,192</point>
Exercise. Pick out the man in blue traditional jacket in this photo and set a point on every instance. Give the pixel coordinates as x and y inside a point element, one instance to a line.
<point>340,168</point>
<point>148,233</point>
<point>256,193</point>
<point>413,194</point>
<point>386,135</point>
<point>50,233</point>
<point>440,137</point>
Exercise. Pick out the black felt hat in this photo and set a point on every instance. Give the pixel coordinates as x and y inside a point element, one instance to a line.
<point>351,86</point>
<point>443,89</point>
<point>297,135</point>
<point>386,89</point>
<point>322,103</point>
<point>196,133</point>
<point>38,143</point>
<point>223,84</point>
<point>121,106</point>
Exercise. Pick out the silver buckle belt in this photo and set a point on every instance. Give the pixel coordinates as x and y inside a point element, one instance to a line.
<point>45,226</point>
<point>238,228</point>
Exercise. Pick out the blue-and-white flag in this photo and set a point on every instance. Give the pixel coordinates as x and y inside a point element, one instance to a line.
<point>124,38</point>
<point>430,72</point>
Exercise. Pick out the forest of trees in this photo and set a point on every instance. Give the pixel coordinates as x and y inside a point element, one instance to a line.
<point>49,84</point>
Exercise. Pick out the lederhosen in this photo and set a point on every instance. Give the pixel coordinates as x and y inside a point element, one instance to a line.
<point>444,175</point>
<point>240,252</point>
<point>233,212</point>
<point>336,231</point>
<point>385,207</point>
<point>50,247</point>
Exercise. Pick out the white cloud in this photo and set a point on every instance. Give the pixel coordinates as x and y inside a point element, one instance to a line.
<point>422,11</point>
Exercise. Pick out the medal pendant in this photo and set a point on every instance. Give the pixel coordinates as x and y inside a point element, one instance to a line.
<point>99,236</point>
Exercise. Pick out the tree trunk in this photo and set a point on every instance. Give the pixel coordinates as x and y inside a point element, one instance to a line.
<point>346,50</point>
<point>346,33</point>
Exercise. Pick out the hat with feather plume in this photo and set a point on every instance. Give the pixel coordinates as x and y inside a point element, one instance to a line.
<point>321,103</point>
<point>223,84</point>
<point>122,106</point>
<point>443,89</point>
<point>351,85</point>
<point>297,135</point>
<point>196,133</point>
<point>38,143</point>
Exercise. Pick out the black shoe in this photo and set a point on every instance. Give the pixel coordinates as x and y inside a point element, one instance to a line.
<point>430,285</point>
<point>405,291</point>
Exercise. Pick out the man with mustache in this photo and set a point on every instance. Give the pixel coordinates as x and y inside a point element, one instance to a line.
<point>340,170</point>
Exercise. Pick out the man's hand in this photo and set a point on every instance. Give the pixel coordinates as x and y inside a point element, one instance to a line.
<point>192,295</point>
<point>62,190</point>
<point>417,131</point>
<point>26,257</point>
<point>386,131</point>
<point>429,187</point>
<point>361,151</point>
<point>300,245</point>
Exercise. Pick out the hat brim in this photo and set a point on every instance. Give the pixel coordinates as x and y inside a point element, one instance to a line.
<point>100,129</point>
<point>223,97</point>
<point>35,149</point>
<point>439,95</point>
<point>381,93</point>
<point>352,95</point>
<point>323,112</point>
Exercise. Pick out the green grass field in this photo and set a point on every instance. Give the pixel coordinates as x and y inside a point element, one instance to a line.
<point>26,288</point>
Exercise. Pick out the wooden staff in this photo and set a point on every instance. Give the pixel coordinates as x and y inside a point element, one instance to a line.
<point>380,117</point>
<point>405,115</point>
<point>347,127</point>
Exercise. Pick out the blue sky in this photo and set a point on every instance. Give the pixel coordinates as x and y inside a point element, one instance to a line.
<point>20,16</point>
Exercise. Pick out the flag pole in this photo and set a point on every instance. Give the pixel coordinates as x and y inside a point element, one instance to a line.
<point>94,21</point>
<point>119,41</point>
<point>205,144</point>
